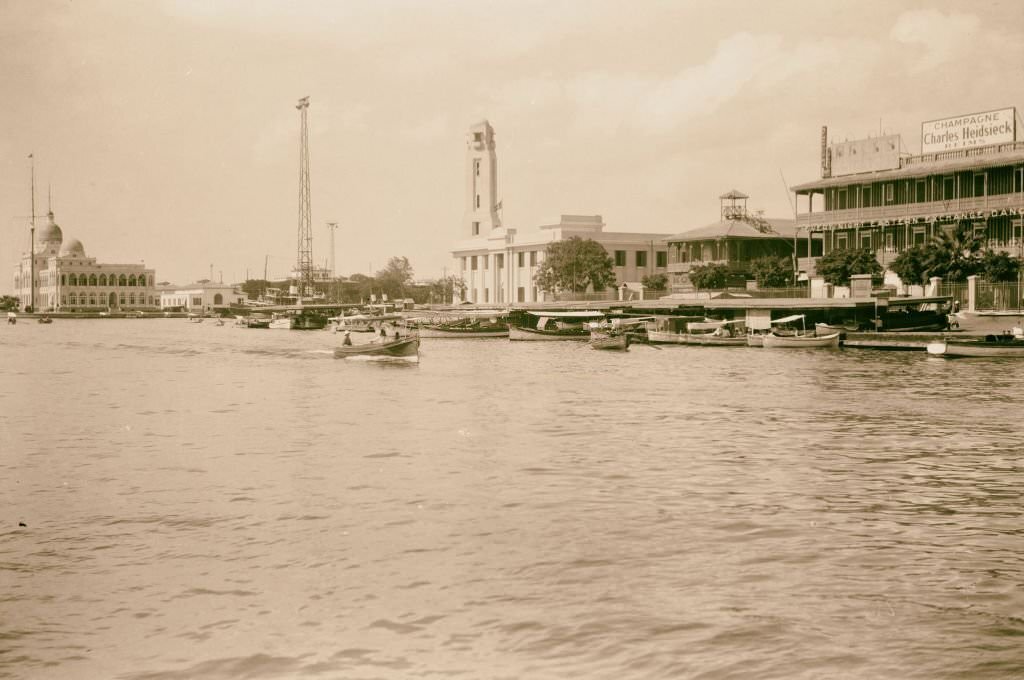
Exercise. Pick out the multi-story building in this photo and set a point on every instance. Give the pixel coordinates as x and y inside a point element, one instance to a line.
<point>737,239</point>
<point>67,280</point>
<point>498,263</point>
<point>870,195</point>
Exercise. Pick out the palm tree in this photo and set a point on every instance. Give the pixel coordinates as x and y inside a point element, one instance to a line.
<point>956,255</point>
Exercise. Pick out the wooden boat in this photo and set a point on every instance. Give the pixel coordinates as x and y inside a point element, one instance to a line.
<point>194,318</point>
<point>556,326</point>
<point>801,339</point>
<point>465,328</point>
<point>995,346</point>
<point>703,332</point>
<point>407,346</point>
<point>257,321</point>
<point>829,328</point>
<point>45,319</point>
<point>915,314</point>
<point>363,323</point>
<point>615,340</point>
<point>670,330</point>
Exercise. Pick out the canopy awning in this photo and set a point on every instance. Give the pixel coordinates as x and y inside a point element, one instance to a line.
<point>567,315</point>
<point>787,319</point>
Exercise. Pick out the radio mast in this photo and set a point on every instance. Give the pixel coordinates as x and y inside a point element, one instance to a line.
<point>304,266</point>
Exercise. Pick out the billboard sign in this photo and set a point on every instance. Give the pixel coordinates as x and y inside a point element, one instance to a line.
<point>864,155</point>
<point>975,129</point>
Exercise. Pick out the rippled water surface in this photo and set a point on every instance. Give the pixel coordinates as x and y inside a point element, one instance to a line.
<point>216,502</point>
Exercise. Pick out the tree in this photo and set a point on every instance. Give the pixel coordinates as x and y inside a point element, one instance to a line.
<point>393,279</point>
<point>772,272</point>
<point>839,265</point>
<point>8,303</point>
<point>574,264</point>
<point>912,265</point>
<point>999,267</point>
<point>709,276</point>
<point>656,282</point>
<point>446,289</point>
<point>955,255</point>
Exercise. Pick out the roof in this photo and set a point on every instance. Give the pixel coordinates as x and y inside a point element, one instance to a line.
<point>737,229</point>
<point>566,315</point>
<point>734,194</point>
<point>919,170</point>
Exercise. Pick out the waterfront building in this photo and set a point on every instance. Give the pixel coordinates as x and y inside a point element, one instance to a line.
<point>498,263</point>
<point>201,297</point>
<point>68,280</point>
<point>872,195</point>
<point>738,238</point>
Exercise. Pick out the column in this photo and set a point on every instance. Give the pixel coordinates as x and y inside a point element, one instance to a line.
<point>972,293</point>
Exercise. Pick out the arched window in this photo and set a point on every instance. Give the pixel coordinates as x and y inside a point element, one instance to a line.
<point>72,280</point>
<point>218,299</point>
<point>103,279</point>
<point>92,279</point>
<point>123,281</point>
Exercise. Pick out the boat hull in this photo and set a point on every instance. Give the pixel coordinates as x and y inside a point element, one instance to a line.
<point>670,338</point>
<point>755,340</point>
<point>800,341</point>
<point>440,332</point>
<point>613,342</point>
<point>517,333</point>
<point>1011,348</point>
<point>406,347</point>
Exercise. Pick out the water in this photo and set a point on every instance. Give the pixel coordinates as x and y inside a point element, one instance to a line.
<point>216,502</point>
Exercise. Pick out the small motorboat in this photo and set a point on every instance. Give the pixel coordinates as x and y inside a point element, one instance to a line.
<point>798,339</point>
<point>408,346</point>
<point>995,346</point>
<point>45,319</point>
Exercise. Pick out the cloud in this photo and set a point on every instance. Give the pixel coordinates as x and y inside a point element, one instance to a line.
<point>742,65</point>
<point>936,37</point>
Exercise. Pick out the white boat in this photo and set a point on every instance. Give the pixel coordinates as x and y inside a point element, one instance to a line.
<point>718,332</point>
<point>194,318</point>
<point>1007,345</point>
<point>556,326</point>
<point>801,339</point>
<point>281,322</point>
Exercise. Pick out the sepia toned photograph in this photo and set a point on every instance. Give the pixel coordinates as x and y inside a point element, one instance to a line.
<point>511,340</point>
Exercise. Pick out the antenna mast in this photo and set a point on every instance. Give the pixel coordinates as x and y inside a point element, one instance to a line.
<point>304,267</point>
<point>333,227</point>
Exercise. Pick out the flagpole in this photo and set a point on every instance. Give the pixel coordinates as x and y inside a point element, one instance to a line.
<point>32,240</point>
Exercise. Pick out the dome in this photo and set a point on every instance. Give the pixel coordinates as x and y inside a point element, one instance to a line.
<point>73,247</point>
<point>49,236</point>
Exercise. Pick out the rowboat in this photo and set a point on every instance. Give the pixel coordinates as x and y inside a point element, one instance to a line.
<point>408,346</point>
<point>618,340</point>
<point>555,326</point>
<point>713,332</point>
<point>801,339</point>
<point>1003,345</point>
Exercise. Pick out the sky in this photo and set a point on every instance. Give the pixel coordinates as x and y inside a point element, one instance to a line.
<point>166,131</point>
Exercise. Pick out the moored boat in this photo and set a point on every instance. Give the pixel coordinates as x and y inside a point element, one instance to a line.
<point>556,326</point>
<point>800,341</point>
<point>45,319</point>
<point>407,346</point>
<point>465,328</point>
<point>994,346</point>
<point>797,339</point>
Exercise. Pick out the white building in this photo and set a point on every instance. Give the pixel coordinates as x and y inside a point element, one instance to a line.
<point>201,297</point>
<point>498,263</point>
<point>68,280</point>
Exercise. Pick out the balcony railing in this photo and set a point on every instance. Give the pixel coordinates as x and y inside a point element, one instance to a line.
<point>910,210</point>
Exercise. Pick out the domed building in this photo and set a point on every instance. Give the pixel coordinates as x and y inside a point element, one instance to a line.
<point>67,280</point>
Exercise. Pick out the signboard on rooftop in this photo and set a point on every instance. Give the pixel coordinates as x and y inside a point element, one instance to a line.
<point>865,155</point>
<point>975,129</point>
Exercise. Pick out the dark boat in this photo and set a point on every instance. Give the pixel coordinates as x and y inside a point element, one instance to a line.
<point>408,346</point>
